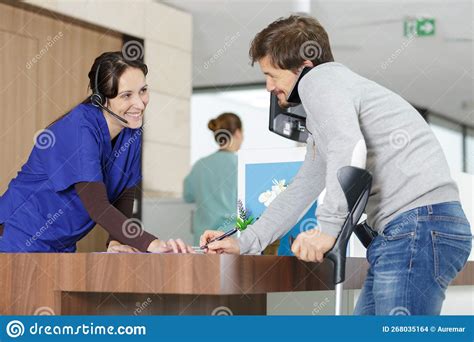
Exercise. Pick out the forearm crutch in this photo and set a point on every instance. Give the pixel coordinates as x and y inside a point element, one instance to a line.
<point>355,184</point>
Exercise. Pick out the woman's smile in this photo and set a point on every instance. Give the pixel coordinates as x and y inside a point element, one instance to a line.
<point>135,116</point>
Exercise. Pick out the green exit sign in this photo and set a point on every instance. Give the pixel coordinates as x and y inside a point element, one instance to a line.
<point>420,27</point>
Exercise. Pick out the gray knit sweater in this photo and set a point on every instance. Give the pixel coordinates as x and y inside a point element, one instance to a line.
<point>355,121</point>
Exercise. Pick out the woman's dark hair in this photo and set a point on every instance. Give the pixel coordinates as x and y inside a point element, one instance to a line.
<point>228,121</point>
<point>223,126</point>
<point>112,66</point>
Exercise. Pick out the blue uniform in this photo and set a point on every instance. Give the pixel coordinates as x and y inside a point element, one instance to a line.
<point>41,210</point>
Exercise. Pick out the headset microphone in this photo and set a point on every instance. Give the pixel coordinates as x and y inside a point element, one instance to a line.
<point>97,100</point>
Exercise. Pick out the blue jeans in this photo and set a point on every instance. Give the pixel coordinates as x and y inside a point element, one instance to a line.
<point>412,263</point>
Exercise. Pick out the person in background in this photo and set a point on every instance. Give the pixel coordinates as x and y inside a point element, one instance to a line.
<point>212,182</point>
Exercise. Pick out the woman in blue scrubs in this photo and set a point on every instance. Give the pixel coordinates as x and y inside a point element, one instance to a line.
<point>83,170</point>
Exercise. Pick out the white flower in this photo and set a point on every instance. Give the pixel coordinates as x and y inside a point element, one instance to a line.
<point>279,186</point>
<point>268,196</point>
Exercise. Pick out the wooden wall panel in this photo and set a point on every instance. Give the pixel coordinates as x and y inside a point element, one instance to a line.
<point>44,61</point>
<point>18,98</point>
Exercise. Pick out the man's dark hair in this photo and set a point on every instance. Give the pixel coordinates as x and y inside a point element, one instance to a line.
<point>288,42</point>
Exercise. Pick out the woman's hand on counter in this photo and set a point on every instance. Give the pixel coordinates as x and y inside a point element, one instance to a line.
<point>117,247</point>
<point>170,246</point>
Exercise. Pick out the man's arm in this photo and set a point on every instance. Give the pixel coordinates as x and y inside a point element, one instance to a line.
<point>337,130</point>
<point>287,208</point>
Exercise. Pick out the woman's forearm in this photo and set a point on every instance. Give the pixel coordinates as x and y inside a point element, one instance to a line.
<point>94,198</point>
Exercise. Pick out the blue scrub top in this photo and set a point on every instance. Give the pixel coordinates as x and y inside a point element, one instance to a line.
<point>41,210</point>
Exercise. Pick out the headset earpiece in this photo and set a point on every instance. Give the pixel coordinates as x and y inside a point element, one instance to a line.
<point>96,99</point>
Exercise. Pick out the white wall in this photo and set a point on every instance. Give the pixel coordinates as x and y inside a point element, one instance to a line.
<point>366,35</point>
<point>252,107</point>
<point>451,139</point>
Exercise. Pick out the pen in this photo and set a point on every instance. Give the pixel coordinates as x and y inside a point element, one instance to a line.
<point>221,237</point>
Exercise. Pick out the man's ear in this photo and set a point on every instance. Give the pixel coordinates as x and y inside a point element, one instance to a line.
<point>306,63</point>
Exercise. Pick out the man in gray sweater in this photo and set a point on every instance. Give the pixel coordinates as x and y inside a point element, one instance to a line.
<point>424,238</point>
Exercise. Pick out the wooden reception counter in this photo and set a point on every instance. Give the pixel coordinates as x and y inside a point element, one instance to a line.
<point>166,284</point>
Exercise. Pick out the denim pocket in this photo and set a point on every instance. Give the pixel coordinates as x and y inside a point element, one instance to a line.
<point>404,226</point>
<point>399,231</point>
<point>450,252</point>
<point>399,236</point>
<point>394,246</point>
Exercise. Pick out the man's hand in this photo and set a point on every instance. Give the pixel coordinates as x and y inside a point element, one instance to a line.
<point>117,247</point>
<point>312,245</point>
<point>228,245</point>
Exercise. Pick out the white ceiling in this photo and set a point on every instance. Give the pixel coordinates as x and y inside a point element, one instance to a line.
<point>432,72</point>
